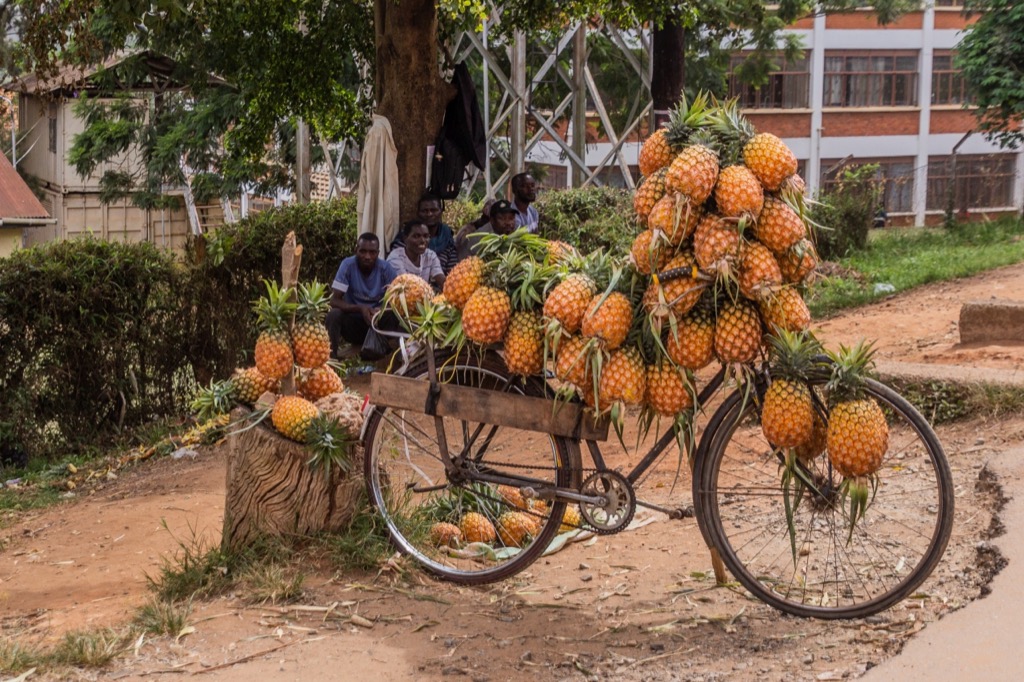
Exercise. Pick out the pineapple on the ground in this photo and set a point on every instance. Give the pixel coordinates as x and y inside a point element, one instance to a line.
<point>524,343</point>
<point>515,528</point>
<point>250,384</point>
<point>463,280</point>
<point>445,534</point>
<point>571,519</point>
<point>787,412</point>
<point>273,354</point>
<point>857,436</point>
<point>514,497</point>
<point>486,315</point>
<point>310,341</point>
<point>318,383</point>
<point>292,416</point>
<point>608,318</point>
<point>476,527</point>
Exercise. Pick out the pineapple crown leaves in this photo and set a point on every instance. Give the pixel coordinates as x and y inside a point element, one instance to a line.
<point>793,354</point>
<point>329,444</point>
<point>216,399</point>
<point>851,366</point>
<point>687,117</point>
<point>274,311</point>
<point>520,242</point>
<point>440,325</point>
<point>732,131</point>
<point>311,301</point>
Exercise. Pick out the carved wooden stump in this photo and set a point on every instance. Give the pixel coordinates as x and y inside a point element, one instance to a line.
<point>273,491</point>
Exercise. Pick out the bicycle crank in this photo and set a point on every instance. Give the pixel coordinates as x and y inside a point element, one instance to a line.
<point>617,505</point>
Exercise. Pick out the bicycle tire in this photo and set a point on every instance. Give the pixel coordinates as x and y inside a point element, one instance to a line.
<point>553,461</point>
<point>817,570</point>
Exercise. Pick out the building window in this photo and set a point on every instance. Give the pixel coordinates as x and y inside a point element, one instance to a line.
<point>949,3</point>
<point>947,81</point>
<point>870,79</point>
<point>787,88</point>
<point>896,176</point>
<point>982,181</point>
<point>51,128</point>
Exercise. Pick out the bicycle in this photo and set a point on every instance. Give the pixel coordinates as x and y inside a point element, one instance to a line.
<point>424,464</point>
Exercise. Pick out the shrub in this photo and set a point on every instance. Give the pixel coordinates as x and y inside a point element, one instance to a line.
<point>589,218</point>
<point>847,211</point>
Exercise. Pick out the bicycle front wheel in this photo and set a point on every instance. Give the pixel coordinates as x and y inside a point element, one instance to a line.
<point>500,530</point>
<point>813,566</point>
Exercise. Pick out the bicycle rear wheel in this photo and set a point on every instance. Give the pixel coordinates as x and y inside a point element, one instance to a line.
<point>810,568</point>
<point>408,484</point>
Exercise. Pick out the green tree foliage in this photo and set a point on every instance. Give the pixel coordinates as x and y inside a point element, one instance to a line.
<point>991,56</point>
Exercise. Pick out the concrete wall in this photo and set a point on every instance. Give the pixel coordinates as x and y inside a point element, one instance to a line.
<point>10,240</point>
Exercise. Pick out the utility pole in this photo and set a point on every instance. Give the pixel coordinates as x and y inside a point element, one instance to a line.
<point>579,106</point>
<point>302,163</point>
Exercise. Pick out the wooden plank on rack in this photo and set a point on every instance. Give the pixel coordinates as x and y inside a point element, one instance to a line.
<point>488,407</point>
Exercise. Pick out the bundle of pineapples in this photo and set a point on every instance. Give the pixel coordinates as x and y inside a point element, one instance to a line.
<point>293,344</point>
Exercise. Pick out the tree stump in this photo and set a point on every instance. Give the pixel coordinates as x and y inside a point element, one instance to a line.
<point>273,491</point>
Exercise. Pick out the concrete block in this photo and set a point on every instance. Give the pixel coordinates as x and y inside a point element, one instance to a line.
<point>992,322</point>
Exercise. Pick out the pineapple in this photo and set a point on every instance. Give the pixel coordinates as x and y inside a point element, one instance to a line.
<point>444,534</point>
<point>649,251</point>
<point>787,411</point>
<point>677,220</point>
<point>769,159</point>
<point>463,280</point>
<point>759,272</point>
<point>716,245</point>
<point>524,343</point>
<point>476,527</point>
<point>567,302</point>
<point>693,345</point>
<point>808,451</point>
<point>513,496</point>
<point>673,296</point>
<point>669,392</point>
<point>310,342</point>
<point>655,153</point>
<point>608,318</point>
<point>779,227</point>
<point>623,379</point>
<point>572,362</point>
<point>485,316</point>
<point>857,436</point>
<point>515,528</point>
<point>406,293</point>
<point>274,356</point>
<point>785,309</point>
<point>559,251</point>
<point>648,193</point>
<point>571,519</point>
<point>292,417</point>
<point>738,194</point>
<point>660,148</point>
<point>737,332</point>
<point>799,261</point>
<point>318,383</point>
<point>694,171</point>
<point>250,384</point>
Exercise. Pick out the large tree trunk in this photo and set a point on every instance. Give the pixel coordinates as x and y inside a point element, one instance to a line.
<point>408,88</point>
<point>272,490</point>
<point>669,57</point>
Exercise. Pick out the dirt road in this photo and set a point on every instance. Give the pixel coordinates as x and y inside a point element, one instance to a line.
<point>639,605</point>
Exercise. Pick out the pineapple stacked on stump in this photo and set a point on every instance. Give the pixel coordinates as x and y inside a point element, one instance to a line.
<point>293,479</point>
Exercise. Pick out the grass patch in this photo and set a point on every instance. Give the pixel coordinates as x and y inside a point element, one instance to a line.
<point>273,583</point>
<point>364,546</point>
<point>16,656</point>
<point>161,617</point>
<point>90,649</point>
<point>907,258</point>
<point>942,402</point>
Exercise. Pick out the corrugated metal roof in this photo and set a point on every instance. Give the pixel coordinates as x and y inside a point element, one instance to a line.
<point>16,199</point>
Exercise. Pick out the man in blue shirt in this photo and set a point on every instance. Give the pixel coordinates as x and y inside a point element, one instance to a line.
<point>524,193</point>
<point>442,237</point>
<point>357,292</point>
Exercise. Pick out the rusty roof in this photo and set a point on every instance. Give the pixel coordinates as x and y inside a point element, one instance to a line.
<point>16,199</point>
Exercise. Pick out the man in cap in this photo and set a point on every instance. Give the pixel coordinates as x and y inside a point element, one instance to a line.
<point>501,219</point>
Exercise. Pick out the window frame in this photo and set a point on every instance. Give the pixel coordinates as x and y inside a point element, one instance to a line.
<point>852,88</point>
<point>897,189</point>
<point>978,185</point>
<point>773,95</point>
<point>950,78</point>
